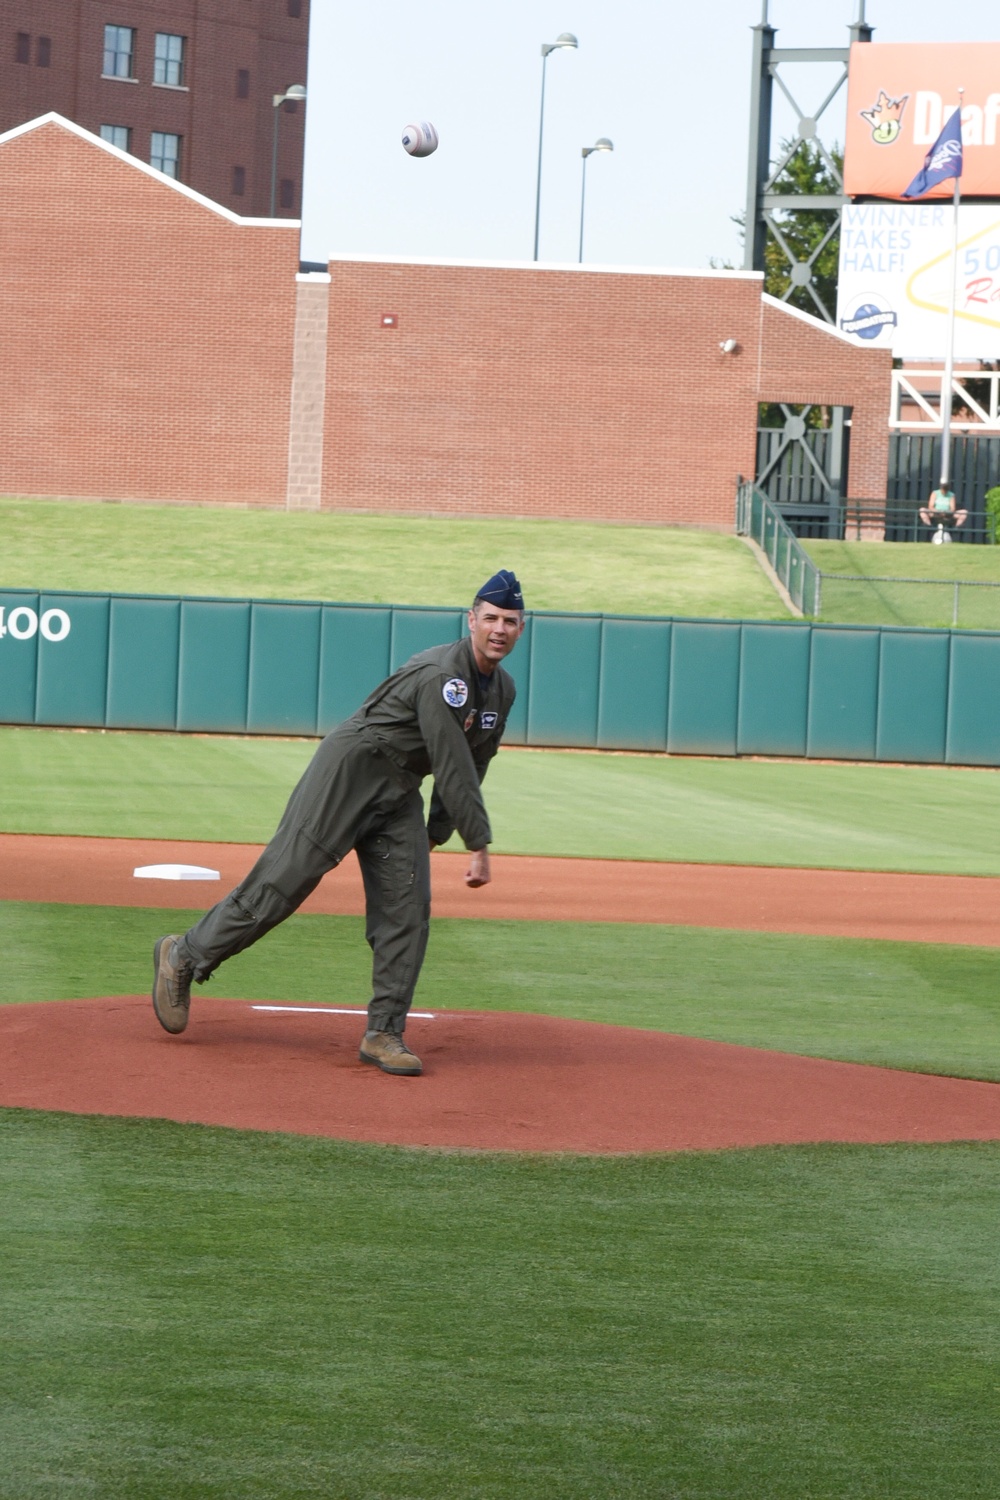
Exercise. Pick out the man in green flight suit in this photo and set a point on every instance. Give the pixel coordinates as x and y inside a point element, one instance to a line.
<point>442,714</point>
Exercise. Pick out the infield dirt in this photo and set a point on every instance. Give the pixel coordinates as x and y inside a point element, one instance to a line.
<point>492,1081</point>
<point>827,903</point>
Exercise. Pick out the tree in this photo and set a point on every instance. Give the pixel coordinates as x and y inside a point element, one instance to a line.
<point>797,236</point>
<point>807,172</point>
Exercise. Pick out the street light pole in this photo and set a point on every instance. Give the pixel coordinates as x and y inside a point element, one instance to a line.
<point>297,92</point>
<point>565,39</point>
<point>601,144</point>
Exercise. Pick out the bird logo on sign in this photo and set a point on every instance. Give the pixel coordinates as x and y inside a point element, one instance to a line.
<point>884,117</point>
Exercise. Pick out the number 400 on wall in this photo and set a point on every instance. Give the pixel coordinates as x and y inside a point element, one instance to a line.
<point>22,623</point>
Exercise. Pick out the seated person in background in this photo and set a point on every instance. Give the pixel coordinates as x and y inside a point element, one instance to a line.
<point>940,508</point>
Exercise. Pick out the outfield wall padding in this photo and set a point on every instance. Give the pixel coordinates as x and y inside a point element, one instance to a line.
<point>612,682</point>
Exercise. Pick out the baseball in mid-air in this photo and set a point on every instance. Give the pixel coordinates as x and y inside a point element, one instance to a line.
<point>421,139</point>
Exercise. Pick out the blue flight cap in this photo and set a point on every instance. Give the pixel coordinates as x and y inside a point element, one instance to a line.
<point>503,590</point>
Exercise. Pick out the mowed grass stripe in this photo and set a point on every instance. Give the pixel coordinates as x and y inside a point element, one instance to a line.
<point>591,805</point>
<point>905,1005</point>
<point>202,1312</point>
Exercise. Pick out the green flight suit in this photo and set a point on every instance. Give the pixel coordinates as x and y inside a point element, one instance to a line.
<point>361,791</point>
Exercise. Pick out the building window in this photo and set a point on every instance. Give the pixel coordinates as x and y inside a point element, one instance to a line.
<point>243,83</point>
<point>117,135</point>
<point>239,181</point>
<point>286,193</point>
<point>119,49</point>
<point>165,153</point>
<point>168,59</point>
<point>43,52</point>
<point>295,8</point>
<point>22,47</point>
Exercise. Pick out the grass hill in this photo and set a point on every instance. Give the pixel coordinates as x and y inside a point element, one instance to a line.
<point>167,549</point>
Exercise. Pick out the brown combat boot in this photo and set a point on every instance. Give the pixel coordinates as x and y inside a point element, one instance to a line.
<point>390,1053</point>
<point>171,986</point>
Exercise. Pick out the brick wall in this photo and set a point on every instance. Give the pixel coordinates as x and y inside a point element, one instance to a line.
<point>561,393</point>
<point>219,129</point>
<point>155,348</point>
<point>820,365</point>
<point>308,403</point>
<point>147,337</point>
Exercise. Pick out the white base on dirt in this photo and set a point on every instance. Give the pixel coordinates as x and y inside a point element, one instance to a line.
<point>175,872</point>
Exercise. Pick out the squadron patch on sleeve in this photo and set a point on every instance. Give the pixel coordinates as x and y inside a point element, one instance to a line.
<point>488,719</point>
<point>455,692</point>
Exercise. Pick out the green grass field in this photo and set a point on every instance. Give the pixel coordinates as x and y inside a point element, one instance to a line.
<point>391,559</point>
<point>573,803</point>
<point>198,1314</point>
<point>203,1313</point>
<point>921,1006</point>
<point>906,560</point>
<point>164,549</point>
<point>884,601</point>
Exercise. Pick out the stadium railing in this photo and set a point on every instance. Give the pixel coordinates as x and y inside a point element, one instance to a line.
<point>758,518</point>
<point>899,521</point>
<point>937,603</point>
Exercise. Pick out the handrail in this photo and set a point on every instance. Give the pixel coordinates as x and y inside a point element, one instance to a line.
<point>760,519</point>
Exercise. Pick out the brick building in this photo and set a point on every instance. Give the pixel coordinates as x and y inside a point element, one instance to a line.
<point>159,347</point>
<point>187,85</point>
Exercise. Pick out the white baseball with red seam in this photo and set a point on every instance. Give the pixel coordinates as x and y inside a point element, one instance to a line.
<point>420,140</point>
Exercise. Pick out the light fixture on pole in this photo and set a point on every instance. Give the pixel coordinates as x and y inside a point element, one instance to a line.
<point>565,39</point>
<point>295,93</point>
<point>601,144</point>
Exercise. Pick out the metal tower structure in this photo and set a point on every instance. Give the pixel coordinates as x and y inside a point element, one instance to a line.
<point>763,202</point>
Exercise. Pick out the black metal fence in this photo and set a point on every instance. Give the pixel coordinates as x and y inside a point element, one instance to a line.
<point>915,467</point>
<point>796,484</point>
<point>861,599</point>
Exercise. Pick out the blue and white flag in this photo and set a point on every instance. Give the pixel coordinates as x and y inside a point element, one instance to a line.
<point>942,161</point>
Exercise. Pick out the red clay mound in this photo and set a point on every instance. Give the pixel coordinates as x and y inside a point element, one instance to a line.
<point>492,1081</point>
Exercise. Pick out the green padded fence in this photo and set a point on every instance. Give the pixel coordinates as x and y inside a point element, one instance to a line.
<point>697,687</point>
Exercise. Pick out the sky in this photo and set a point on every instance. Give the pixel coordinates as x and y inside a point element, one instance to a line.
<point>670,86</point>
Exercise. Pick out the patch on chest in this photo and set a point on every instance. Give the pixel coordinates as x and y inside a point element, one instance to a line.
<point>488,718</point>
<point>455,692</point>
<point>470,719</point>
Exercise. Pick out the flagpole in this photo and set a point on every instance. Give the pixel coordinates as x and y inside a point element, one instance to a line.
<point>949,361</point>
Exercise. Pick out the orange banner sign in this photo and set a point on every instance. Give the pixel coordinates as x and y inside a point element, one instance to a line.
<point>898,98</point>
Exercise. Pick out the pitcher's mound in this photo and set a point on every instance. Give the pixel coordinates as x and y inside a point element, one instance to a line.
<point>491,1081</point>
